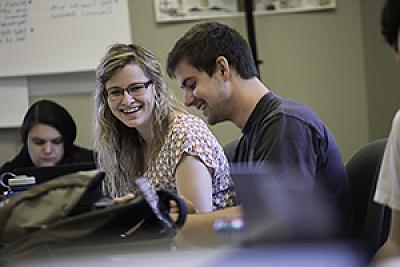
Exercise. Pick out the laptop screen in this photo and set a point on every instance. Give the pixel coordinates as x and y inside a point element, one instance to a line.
<point>43,174</point>
<point>278,205</point>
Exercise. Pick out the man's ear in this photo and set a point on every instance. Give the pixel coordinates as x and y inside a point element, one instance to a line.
<point>222,67</point>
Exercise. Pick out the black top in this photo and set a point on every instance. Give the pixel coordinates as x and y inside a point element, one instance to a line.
<point>76,155</point>
<point>288,134</point>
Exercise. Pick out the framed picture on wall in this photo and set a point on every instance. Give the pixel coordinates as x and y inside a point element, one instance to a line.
<point>287,6</point>
<point>178,10</point>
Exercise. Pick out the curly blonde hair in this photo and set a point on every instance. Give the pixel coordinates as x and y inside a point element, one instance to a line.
<point>120,149</point>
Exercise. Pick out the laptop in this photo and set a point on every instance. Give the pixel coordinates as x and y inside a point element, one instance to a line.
<point>43,174</point>
<point>279,205</point>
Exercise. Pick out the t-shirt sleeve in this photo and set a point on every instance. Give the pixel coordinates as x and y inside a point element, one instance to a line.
<point>388,186</point>
<point>201,143</point>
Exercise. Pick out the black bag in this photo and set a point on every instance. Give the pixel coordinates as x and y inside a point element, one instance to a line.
<point>67,212</point>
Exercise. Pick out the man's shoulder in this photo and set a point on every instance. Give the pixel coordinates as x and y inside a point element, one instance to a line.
<point>300,112</point>
<point>274,107</point>
<point>298,109</point>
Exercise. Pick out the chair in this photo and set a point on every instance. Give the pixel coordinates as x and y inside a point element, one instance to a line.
<point>371,220</point>
<point>230,149</point>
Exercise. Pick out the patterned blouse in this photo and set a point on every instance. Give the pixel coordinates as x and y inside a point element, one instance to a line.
<point>189,135</point>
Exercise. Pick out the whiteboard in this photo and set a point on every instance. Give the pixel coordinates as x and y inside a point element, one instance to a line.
<point>58,36</point>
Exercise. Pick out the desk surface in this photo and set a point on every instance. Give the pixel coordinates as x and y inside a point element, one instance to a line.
<point>299,255</point>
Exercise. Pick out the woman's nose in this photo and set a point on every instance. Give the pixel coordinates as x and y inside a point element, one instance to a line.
<point>127,98</point>
<point>47,147</point>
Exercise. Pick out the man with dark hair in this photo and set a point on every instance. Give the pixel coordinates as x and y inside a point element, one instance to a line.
<point>214,66</point>
<point>388,186</point>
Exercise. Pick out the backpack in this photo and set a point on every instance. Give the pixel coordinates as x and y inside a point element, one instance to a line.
<point>69,211</point>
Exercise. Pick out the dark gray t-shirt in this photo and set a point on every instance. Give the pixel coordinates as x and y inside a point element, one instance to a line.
<point>288,134</point>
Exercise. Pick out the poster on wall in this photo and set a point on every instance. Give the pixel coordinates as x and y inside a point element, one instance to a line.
<point>276,6</point>
<point>178,10</point>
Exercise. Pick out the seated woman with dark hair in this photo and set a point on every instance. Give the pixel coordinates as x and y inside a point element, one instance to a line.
<point>48,133</point>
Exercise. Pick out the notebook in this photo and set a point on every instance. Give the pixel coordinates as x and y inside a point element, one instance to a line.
<point>43,174</point>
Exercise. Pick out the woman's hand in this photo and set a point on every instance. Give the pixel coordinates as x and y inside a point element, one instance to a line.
<point>191,209</point>
<point>125,198</point>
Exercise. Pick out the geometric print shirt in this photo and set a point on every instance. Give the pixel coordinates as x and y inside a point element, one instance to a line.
<point>189,135</point>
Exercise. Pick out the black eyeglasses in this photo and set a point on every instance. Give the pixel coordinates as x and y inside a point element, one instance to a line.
<point>134,89</point>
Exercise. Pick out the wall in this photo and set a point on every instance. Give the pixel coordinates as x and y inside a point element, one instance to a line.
<point>316,58</point>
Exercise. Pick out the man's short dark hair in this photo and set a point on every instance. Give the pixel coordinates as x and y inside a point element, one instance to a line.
<point>390,21</point>
<point>205,42</point>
